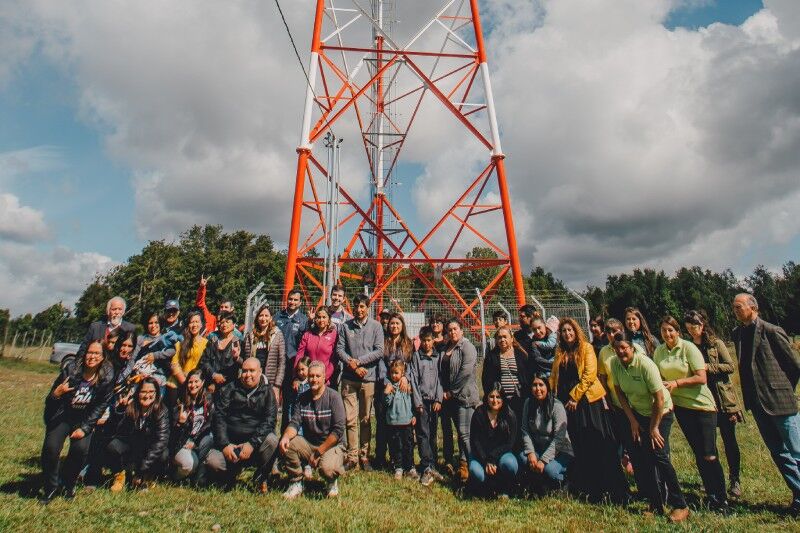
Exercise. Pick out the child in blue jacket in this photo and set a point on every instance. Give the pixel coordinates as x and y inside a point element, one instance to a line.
<point>400,422</point>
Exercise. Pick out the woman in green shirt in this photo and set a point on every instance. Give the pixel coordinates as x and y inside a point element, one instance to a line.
<point>719,367</point>
<point>683,370</point>
<point>648,409</point>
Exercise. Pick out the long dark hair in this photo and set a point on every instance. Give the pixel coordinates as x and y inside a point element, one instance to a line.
<point>134,410</point>
<point>105,371</point>
<point>403,345</point>
<point>329,312</point>
<point>505,410</point>
<point>188,339</point>
<point>699,318</point>
<point>649,340</point>
<point>115,360</point>
<point>543,407</point>
<point>263,336</point>
<point>187,400</point>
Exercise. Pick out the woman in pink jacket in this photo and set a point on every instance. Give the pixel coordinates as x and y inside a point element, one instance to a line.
<point>319,343</point>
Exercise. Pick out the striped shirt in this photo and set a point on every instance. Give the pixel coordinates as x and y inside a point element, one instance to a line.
<point>319,418</point>
<point>509,376</point>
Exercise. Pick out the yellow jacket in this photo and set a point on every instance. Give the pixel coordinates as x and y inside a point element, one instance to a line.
<point>587,370</point>
<point>192,359</point>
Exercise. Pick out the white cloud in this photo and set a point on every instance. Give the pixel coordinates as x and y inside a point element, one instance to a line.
<point>32,279</point>
<point>628,144</point>
<point>19,222</point>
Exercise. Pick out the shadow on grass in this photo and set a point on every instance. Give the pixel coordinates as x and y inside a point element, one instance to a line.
<point>26,486</point>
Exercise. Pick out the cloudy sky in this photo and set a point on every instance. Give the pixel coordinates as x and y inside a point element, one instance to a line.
<point>638,132</point>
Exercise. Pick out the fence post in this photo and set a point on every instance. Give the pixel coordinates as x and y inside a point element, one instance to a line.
<point>5,338</point>
<point>248,312</point>
<point>483,325</point>
<point>506,311</point>
<point>586,309</point>
<point>539,305</point>
<point>41,349</point>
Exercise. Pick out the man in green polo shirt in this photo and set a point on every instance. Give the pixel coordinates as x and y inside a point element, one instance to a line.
<point>648,407</point>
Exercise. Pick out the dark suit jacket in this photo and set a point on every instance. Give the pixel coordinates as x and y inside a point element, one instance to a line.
<point>97,330</point>
<point>775,367</point>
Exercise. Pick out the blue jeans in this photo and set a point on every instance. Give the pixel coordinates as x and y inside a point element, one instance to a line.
<point>781,434</point>
<point>503,479</point>
<point>556,469</point>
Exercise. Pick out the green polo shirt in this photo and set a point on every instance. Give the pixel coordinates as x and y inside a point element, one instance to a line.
<point>681,362</point>
<point>604,358</point>
<point>639,381</point>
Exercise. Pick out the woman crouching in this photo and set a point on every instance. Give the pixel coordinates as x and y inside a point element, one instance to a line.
<point>140,443</point>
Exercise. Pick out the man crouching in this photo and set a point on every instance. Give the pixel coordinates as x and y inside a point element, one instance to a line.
<point>314,434</point>
<point>243,425</point>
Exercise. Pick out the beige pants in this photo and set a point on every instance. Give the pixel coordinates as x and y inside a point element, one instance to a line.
<point>331,464</point>
<point>357,397</point>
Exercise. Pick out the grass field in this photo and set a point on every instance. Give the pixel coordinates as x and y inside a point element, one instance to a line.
<point>370,501</point>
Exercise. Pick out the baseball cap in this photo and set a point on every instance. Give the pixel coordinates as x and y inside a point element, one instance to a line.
<point>171,304</point>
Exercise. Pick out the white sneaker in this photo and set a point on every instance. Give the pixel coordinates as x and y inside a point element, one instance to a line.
<point>333,489</point>
<point>308,473</point>
<point>294,490</point>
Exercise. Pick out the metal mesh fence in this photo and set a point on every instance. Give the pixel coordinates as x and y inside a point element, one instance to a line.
<point>419,305</point>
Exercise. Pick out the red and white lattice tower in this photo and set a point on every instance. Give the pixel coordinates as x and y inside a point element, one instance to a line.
<point>360,73</point>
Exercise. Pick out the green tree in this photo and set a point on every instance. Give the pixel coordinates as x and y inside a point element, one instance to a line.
<point>766,287</point>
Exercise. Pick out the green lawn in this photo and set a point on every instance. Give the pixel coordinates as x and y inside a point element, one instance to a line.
<point>371,501</point>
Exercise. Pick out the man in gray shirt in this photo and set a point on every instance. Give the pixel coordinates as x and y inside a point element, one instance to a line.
<point>359,348</point>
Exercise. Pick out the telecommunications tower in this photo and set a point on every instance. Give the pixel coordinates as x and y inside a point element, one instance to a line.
<point>371,86</point>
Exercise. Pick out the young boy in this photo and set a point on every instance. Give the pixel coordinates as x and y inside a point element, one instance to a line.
<point>399,422</point>
<point>426,390</point>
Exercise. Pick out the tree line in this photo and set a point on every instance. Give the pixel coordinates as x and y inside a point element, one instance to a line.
<point>237,261</point>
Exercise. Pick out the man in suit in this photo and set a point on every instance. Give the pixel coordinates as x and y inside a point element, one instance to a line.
<point>769,370</point>
<point>115,310</point>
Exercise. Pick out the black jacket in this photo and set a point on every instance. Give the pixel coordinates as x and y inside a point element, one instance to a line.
<point>83,415</point>
<point>97,330</point>
<point>148,439</point>
<point>216,361</point>
<point>181,433</point>
<point>775,368</point>
<point>491,370</point>
<point>488,444</point>
<point>243,415</point>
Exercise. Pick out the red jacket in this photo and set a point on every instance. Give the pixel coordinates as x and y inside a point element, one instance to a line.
<point>208,317</point>
<point>319,347</point>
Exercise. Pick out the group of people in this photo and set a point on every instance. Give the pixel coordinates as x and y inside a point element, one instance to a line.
<point>196,398</point>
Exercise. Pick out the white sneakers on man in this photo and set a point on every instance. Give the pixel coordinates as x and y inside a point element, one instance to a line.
<point>294,490</point>
<point>333,488</point>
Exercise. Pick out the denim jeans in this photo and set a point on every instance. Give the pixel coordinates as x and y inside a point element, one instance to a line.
<point>503,480</point>
<point>455,414</point>
<point>781,434</point>
<point>555,470</point>
<point>192,462</point>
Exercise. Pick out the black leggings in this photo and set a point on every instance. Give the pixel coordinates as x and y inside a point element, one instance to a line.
<point>56,432</point>
<point>122,454</point>
<point>700,429</point>
<point>655,475</point>
<point>727,431</point>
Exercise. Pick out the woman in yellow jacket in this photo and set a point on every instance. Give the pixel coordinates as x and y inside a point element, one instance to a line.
<point>596,470</point>
<point>187,355</point>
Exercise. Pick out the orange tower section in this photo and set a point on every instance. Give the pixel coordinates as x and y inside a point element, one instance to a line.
<point>365,84</point>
